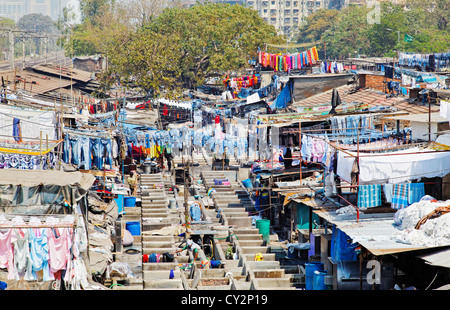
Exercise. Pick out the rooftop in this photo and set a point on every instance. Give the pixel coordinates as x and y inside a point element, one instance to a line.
<point>372,97</point>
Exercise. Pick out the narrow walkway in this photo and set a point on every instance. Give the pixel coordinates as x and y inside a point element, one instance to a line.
<point>233,253</point>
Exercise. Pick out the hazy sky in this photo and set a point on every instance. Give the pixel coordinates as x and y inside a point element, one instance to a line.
<point>74,5</point>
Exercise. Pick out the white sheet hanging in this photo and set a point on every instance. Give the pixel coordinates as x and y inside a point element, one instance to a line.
<point>387,168</point>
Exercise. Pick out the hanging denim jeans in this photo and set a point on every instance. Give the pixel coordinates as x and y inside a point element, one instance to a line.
<point>106,150</point>
<point>66,149</point>
<point>75,150</point>
<point>101,151</point>
<point>96,154</point>
<point>85,153</point>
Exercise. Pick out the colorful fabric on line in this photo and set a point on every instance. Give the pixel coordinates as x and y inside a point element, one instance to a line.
<point>290,61</point>
<point>369,196</point>
<point>399,196</point>
<point>415,192</point>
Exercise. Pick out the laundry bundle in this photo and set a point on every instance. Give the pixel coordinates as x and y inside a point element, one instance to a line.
<point>289,62</point>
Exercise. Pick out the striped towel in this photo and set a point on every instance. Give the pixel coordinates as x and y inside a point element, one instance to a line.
<point>400,196</point>
<point>369,196</point>
<point>416,192</point>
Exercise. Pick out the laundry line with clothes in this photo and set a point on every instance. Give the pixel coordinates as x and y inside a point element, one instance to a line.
<point>331,67</point>
<point>44,248</point>
<point>288,62</point>
<point>424,61</point>
<point>392,167</point>
<point>27,124</point>
<point>88,149</point>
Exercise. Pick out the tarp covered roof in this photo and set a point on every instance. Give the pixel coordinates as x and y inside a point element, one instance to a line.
<point>45,177</point>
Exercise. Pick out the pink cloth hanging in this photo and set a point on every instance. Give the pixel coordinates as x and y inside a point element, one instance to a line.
<point>59,249</point>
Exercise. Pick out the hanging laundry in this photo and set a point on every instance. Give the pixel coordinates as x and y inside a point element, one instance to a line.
<point>415,192</point>
<point>289,62</point>
<point>17,133</point>
<point>387,189</point>
<point>369,196</point>
<point>400,196</point>
<point>58,249</point>
<point>7,252</point>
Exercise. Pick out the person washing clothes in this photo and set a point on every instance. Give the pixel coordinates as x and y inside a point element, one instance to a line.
<point>191,246</point>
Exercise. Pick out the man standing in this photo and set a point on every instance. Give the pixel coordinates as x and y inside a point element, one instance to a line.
<point>168,155</point>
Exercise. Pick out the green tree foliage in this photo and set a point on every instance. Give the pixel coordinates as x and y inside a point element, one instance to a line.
<point>148,59</point>
<point>193,43</point>
<point>349,33</point>
<point>39,24</point>
<point>316,24</point>
<point>4,41</point>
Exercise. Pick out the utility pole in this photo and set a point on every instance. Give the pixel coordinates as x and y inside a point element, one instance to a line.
<point>23,53</point>
<point>11,49</point>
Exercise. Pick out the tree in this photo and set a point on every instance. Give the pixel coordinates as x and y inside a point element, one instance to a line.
<point>316,25</point>
<point>4,41</point>
<point>385,36</point>
<point>348,30</point>
<point>40,25</point>
<point>147,59</point>
<point>213,38</point>
<point>349,34</point>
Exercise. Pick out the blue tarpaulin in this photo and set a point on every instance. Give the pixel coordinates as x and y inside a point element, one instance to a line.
<point>342,249</point>
<point>283,98</point>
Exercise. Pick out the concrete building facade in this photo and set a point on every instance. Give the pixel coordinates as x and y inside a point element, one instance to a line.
<point>15,9</point>
<point>286,15</point>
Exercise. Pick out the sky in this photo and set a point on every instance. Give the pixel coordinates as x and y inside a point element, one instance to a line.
<point>74,5</point>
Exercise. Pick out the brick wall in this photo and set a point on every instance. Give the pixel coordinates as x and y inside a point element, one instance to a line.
<point>374,81</point>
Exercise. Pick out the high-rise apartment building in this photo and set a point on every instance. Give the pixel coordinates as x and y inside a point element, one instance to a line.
<point>286,15</point>
<point>15,9</point>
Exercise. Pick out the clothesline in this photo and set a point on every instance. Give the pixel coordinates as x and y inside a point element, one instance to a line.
<point>43,151</point>
<point>287,62</point>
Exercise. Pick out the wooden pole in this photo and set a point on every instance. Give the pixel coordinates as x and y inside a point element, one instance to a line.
<point>40,149</point>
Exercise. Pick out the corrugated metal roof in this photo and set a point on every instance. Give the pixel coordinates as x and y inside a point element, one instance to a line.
<point>369,96</point>
<point>65,72</point>
<point>33,82</point>
<point>441,258</point>
<point>373,231</point>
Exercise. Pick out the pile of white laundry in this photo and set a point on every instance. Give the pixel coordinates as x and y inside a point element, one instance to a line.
<point>434,232</point>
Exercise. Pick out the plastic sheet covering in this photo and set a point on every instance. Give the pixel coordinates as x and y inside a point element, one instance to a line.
<point>342,249</point>
<point>33,189</point>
